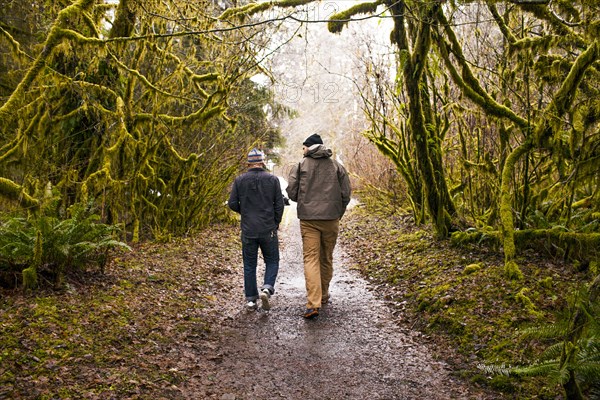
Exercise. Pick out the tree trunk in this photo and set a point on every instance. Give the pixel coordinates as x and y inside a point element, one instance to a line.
<point>414,65</point>
<point>506,216</point>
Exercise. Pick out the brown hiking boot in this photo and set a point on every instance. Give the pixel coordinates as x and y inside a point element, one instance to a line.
<point>311,313</point>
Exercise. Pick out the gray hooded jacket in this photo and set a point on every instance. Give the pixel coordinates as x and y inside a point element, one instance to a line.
<point>320,185</point>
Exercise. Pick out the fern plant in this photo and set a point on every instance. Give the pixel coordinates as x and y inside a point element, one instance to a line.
<point>55,246</point>
<point>573,360</point>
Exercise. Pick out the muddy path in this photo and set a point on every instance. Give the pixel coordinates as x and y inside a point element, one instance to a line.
<point>353,350</point>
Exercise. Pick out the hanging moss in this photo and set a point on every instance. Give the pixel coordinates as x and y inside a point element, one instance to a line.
<point>467,80</point>
<point>53,39</point>
<point>138,120</point>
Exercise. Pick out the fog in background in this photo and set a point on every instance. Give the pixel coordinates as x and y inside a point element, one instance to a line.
<point>319,75</point>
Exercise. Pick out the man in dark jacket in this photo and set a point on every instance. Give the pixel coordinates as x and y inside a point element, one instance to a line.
<point>321,187</point>
<point>257,196</point>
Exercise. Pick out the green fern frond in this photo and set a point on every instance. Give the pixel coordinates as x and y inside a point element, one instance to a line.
<point>112,243</point>
<point>589,350</point>
<point>547,368</point>
<point>57,245</point>
<point>496,369</point>
<point>589,372</point>
<point>552,352</point>
<point>549,331</point>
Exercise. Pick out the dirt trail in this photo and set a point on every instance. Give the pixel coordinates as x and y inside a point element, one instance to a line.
<point>353,350</point>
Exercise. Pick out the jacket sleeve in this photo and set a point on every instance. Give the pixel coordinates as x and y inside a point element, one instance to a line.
<point>278,203</point>
<point>293,184</point>
<point>234,199</point>
<point>344,186</point>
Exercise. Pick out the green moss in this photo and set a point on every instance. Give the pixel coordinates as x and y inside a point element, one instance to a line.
<point>13,191</point>
<point>423,305</point>
<point>506,213</point>
<point>30,278</point>
<point>450,324</point>
<point>253,8</point>
<point>471,268</point>
<point>524,300</point>
<point>547,282</point>
<point>502,383</point>
<point>339,20</point>
<point>512,271</point>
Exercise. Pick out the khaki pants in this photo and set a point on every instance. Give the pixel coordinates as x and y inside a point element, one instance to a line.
<point>318,242</point>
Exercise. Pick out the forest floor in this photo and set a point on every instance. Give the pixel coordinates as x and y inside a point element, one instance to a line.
<point>166,321</point>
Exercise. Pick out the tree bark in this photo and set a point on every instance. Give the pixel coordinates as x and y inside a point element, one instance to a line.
<point>413,67</point>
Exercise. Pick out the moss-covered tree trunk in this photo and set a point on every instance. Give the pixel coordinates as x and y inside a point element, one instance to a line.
<point>413,66</point>
<point>506,211</point>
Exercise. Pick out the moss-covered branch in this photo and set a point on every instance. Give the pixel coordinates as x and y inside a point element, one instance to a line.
<point>338,21</point>
<point>15,45</point>
<point>145,80</point>
<point>205,113</point>
<point>196,78</point>
<point>16,192</point>
<point>253,8</point>
<point>53,39</point>
<point>467,82</point>
<point>501,23</point>
<point>525,238</point>
<point>564,96</point>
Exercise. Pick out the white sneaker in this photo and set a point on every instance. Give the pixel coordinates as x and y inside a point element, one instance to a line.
<point>251,306</point>
<point>264,298</point>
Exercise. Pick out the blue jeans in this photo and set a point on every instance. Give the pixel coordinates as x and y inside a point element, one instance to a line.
<point>269,247</point>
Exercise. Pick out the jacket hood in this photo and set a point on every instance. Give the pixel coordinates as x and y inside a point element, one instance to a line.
<point>318,151</point>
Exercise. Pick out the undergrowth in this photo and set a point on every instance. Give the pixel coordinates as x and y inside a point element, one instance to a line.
<point>460,295</point>
<point>42,249</point>
<point>116,335</point>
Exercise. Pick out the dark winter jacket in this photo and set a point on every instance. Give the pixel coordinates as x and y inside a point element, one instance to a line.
<point>320,185</point>
<point>257,196</point>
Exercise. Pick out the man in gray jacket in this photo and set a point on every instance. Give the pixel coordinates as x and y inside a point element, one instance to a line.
<point>321,187</point>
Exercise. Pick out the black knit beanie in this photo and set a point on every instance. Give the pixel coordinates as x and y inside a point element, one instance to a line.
<point>313,139</point>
